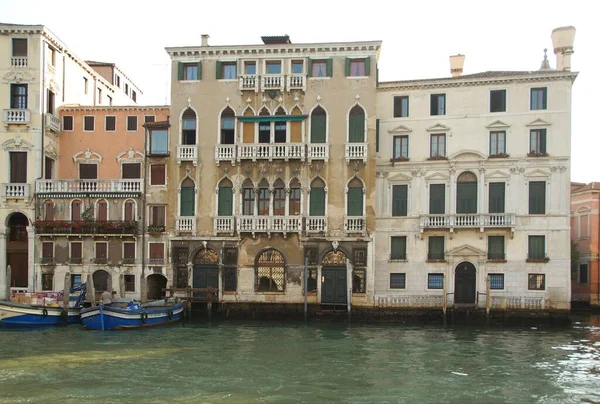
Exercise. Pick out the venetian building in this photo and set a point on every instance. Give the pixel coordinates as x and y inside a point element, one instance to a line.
<point>473,182</point>
<point>273,160</point>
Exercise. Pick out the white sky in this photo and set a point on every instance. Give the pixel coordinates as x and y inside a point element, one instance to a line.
<point>417,37</point>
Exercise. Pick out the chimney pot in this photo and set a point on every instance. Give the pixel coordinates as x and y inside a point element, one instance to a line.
<point>456,64</point>
<point>205,39</point>
<point>562,41</point>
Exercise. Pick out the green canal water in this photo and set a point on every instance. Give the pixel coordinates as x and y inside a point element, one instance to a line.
<point>252,362</point>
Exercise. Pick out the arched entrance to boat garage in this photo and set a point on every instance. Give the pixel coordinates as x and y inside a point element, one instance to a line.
<point>206,271</point>
<point>17,251</point>
<point>102,281</point>
<point>465,283</point>
<point>155,284</point>
<point>334,282</point>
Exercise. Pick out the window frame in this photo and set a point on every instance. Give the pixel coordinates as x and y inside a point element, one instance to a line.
<point>399,257</point>
<point>106,123</point>
<point>532,286</point>
<point>444,108</point>
<point>72,123</point>
<point>151,215</point>
<point>435,256</point>
<point>401,282</point>
<point>12,47</point>
<point>402,209</point>
<point>152,176</point>
<point>492,256</point>
<point>151,134</point>
<point>531,208</point>
<point>47,258</point>
<point>128,283</point>
<point>124,258</point>
<point>534,98</point>
<point>530,256</point>
<point>400,108</point>
<point>319,62</point>
<point>496,133</point>
<point>187,65</point>
<point>493,285</point>
<point>226,64</point>
<point>437,136</point>
<point>127,123</point>
<point>503,107</point>
<point>430,278</point>
<point>403,139</point>
<point>364,67</point>
<point>272,62</point>
<point>19,99</point>
<point>541,138</point>
<point>93,120</point>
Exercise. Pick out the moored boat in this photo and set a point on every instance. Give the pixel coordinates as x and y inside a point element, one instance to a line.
<point>27,315</point>
<point>130,317</point>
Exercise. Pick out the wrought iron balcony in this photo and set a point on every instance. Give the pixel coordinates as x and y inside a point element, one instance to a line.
<point>18,61</point>
<point>52,122</point>
<point>269,224</point>
<point>116,227</point>
<point>225,152</point>
<point>355,224</point>
<point>271,151</point>
<point>14,191</point>
<point>187,153</point>
<point>318,151</point>
<point>185,224</point>
<point>467,220</point>
<point>76,186</point>
<point>224,224</point>
<point>17,116</point>
<point>356,151</point>
<point>316,224</point>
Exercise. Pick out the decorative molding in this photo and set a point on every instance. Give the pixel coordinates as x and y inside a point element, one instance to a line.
<point>537,173</point>
<point>18,77</point>
<point>437,176</point>
<point>498,124</point>
<point>539,122</point>
<point>130,156</point>
<point>465,153</point>
<point>399,177</point>
<point>87,156</point>
<point>401,129</point>
<point>17,143</point>
<point>466,250</point>
<point>438,127</point>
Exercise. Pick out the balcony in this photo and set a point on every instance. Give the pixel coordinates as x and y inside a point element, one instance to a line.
<point>187,153</point>
<point>269,224</point>
<point>467,220</point>
<point>78,186</point>
<point>271,82</point>
<point>225,152</point>
<point>14,191</point>
<point>296,82</point>
<point>156,261</point>
<point>316,224</point>
<point>52,122</point>
<point>248,82</point>
<point>271,151</point>
<point>224,224</point>
<point>17,117</point>
<point>18,61</point>
<point>79,227</point>
<point>355,224</point>
<point>318,151</point>
<point>356,151</point>
<point>185,224</point>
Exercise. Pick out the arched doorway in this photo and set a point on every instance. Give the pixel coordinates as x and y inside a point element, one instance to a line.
<point>102,281</point>
<point>206,271</point>
<point>155,284</point>
<point>334,283</point>
<point>465,283</point>
<point>17,251</point>
<point>270,271</point>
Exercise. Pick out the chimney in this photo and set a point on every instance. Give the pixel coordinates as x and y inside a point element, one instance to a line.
<point>562,41</point>
<point>205,39</point>
<point>456,65</point>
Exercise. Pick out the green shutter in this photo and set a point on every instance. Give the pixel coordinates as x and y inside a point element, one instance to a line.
<point>318,128</point>
<point>496,197</point>
<point>347,68</point>
<point>180,71</point>
<point>225,202</point>
<point>199,70</point>
<point>536,247</point>
<point>355,202</point>
<point>399,200</point>
<point>466,197</point>
<point>436,248</point>
<point>219,72</point>
<point>356,128</point>
<point>537,197</point>
<point>317,202</point>
<point>187,202</point>
<point>376,76</point>
<point>398,248</point>
<point>437,199</point>
<point>367,66</point>
<point>543,141</point>
<point>377,135</point>
<point>309,68</point>
<point>329,67</point>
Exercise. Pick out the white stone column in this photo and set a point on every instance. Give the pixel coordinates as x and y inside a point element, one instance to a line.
<point>31,278</point>
<point>3,280</point>
<point>452,191</point>
<point>481,205</point>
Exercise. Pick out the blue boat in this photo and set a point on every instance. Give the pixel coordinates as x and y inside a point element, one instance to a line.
<point>131,317</point>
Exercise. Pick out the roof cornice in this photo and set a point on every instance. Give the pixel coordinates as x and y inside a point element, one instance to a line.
<point>73,108</point>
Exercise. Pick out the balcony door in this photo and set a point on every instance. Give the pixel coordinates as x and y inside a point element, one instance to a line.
<point>464,283</point>
<point>18,167</point>
<point>466,193</point>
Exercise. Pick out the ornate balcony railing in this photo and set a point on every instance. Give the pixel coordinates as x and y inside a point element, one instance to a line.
<point>269,224</point>
<point>271,151</point>
<point>271,82</point>
<point>185,224</point>
<point>355,224</point>
<point>318,151</point>
<point>316,224</point>
<point>356,151</point>
<point>52,122</point>
<point>248,82</point>
<point>224,224</point>
<point>14,191</point>
<point>18,61</point>
<point>418,301</point>
<point>296,82</point>
<point>187,153</point>
<point>17,116</point>
<point>116,227</point>
<point>467,220</point>
<point>119,185</point>
<point>225,152</point>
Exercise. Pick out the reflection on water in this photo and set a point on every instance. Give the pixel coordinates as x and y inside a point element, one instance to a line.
<point>294,362</point>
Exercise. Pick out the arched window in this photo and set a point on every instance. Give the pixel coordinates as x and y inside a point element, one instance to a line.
<point>263,198</point>
<point>187,203</point>
<point>278,198</point>
<point>49,211</point>
<point>317,198</point>
<point>129,214</point>
<point>318,125</point>
<point>295,198</point>
<point>76,210</point>
<point>248,197</point>
<point>355,198</point>
<point>225,198</point>
<point>466,193</point>
<point>280,127</point>
<point>102,211</point>
<point>227,126</point>
<point>188,127</point>
<point>356,125</point>
<point>270,271</point>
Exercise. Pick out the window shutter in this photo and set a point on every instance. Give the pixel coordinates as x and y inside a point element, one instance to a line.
<point>356,129</point>
<point>47,250</point>
<point>219,71</point>
<point>309,68</point>
<point>398,248</point>
<point>355,202</point>
<point>199,70</point>
<point>129,211</point>
<point>377,135</point>
<point>318,128</point>
<point>496,203</point>
<point>76,249</point>
<point>180,71</point>
<point>129,250</point>
<point>399,200</point>
<point>225,202</point>
<point>18,167</point>
<point>102,211</point>
<point>317,202</point>
<point>437,199</point>
<point>329,67</point>
<point>187,201</point>
<point>157,250</point>
<point>466,198</point>
<point>88,171</point>
<point>368,66</point>
<point>347,67</point>
<point>543,141</point>
<point>537,197</point>
<point>131,170</point>
<point>157,174</point>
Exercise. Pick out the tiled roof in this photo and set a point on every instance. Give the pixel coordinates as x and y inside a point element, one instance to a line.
<point>482,75</point>
<point>586,187</point>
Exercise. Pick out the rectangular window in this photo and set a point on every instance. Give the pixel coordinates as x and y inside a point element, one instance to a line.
<point>537,197</point>
<point>110,123</point>
<point>88,123</point>
<point>248,201</point>
<point>264,132</point>
<point>47,252</point>
<point>398,248</point>
<point>436,248</point>
<point>148,118</point>
<point>318,68</point>
<point>131,170</point>
<point>48,168</point>
<point>498,101</point>
<point>47,281</point>
<point>496,197</point>
<point>280,135</point>
<point>539,98</point>
<point>583,274</point>
<point>357,68</point>
<point>536,282</point>
<point>128,253</point>
<point>401,106</point>
<point>400,148</point>
<point>67,123</point>
<point>397,281</point>
<point>537,142</point>
<point>18,167</point>
<point>126,88</point>
<point>297,67</point>
<point>134,96</point>
<point>537,247</point>
<point>52,57</point>
<point>158,174</point>
<point>190,71</point>
<point>435,281</point>
<point>496,281</point>
<point>250,68</point>
<point>19,47</point>
<point>76,252</point>
<point>438,104</point>
<point>437,199</point>
<point>159,142</point>
<point>295,194</point>
<point>117,80</point>
<point>157,253</point>
<point>88,171</point>
<point>399,200</point>
<point>263,201</point>
<point>497,143</point>
<point>129,283</point>
<point>110,102</point>
<point>101,253</point>
<point>157,215</point>
<point>50,102</point>
<point>279,201</point>
<point>75,280</point>
<point>99,96</point>
<point>495,247</point>
<point>438,145</point>
<point>132,123</point>
<point>18,96</point>
<point>273,67</point>
<point>229,70</point>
